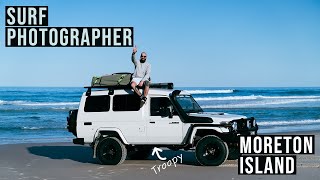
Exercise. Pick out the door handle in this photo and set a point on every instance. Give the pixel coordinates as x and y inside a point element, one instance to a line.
<point>87,123</point>
<point>152,122</point>
<point>174,122</point>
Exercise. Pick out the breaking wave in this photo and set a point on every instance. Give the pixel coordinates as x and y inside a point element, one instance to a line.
<point>296,122</point>
<point>31,128</point>
<point>253,97</point>
<point>11,102</point>
<point>262,103</point>
<point>50,104</point>
<point>211,91</point>
<point>29,103</point>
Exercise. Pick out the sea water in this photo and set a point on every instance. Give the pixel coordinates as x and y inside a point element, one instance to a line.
<point>38,114</point>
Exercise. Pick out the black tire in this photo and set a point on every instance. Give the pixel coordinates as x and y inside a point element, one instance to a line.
<point>111,151</point>
<point>234,153</point>
<point>211,151</point>
<point>140,153</point>
<point>72,122</point>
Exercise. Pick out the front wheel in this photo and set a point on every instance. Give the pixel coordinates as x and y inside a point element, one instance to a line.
<point>111,151</point>
<point>211,151</point>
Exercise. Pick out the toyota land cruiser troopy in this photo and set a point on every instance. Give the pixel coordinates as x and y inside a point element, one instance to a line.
<point>114,122</point>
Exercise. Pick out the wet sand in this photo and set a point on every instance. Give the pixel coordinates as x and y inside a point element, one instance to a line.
<point>66,161</point>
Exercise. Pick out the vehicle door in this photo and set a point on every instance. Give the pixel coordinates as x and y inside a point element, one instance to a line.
<point>164,125</point>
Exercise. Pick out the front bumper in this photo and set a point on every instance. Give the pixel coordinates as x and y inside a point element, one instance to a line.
<point>244,126</point>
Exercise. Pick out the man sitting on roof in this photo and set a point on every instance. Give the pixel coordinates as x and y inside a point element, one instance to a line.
<point>141,75</point>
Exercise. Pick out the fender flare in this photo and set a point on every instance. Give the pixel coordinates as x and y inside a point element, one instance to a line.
<point>111,129</point>
<point>195,129</point>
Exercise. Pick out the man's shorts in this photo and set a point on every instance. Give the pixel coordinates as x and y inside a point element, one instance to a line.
<point>137,80</point>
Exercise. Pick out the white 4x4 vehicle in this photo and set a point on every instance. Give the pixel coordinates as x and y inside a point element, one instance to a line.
<point>116,125</point>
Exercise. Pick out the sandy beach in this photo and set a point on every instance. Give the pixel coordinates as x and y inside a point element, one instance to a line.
<point>48,161</point>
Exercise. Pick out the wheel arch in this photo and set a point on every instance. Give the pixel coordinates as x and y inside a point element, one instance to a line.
<point>199,132</point>
<point>111,132</point>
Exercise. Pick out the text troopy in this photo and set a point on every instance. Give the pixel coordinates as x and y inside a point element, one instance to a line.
<point>171,162</point>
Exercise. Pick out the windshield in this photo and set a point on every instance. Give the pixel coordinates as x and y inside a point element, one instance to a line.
<point>188,104</point>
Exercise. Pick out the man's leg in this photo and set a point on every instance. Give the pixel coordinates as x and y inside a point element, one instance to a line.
<point>134,87</point>
<point>146,88</point>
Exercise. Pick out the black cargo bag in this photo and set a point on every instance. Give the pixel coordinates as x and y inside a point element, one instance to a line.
<point>115,79</point>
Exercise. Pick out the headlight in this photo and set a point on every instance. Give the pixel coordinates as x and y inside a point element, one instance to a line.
<point>234,126</point>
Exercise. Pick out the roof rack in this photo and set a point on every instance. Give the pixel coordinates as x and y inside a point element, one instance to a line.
<point>112,88</point>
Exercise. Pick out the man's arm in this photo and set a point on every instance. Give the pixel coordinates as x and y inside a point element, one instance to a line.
<point>133,57</point>
<point>148,72</point>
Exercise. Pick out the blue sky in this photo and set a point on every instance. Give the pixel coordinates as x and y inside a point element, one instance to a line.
<point>191,43</point>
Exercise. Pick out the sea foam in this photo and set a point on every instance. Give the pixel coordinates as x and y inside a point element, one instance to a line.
<point>261,103</point>
<point>223,91</point>
<point>288,122</point>
<point>30,103</point>
<point>253,97</point>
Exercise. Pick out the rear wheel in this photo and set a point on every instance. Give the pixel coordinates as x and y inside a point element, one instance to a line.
<point>211,151</point>
<point>111,151</point>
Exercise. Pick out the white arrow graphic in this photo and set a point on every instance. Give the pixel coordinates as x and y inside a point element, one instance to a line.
<point>157,150</point>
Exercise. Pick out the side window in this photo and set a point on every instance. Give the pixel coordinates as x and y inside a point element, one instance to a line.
<point>97,103</point>
<point>126,103</point>
<point>159,106</point>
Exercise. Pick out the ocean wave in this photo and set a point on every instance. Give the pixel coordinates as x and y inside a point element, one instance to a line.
<point>253,97</point>
<point>223,91</point>
<point>11,102</point>
<point>29,103</point>
<point>33,139</point>
<point>226,98</point>
<point>37,109</point>
<point>262,103</point>
<point>34,117</point>
<point>50,104</point>
<point>301,91</point>
<point>295,122</point>
<point>64,108</point>
<point>34,128</point>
